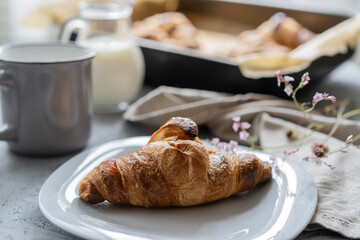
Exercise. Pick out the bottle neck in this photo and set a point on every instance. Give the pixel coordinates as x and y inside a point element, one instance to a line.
<point>107,10</point>
<point>107,18</point>
<point>120,28</point>
<point>123,28</point>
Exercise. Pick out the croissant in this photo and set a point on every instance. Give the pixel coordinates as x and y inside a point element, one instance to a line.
<point>173,169</point>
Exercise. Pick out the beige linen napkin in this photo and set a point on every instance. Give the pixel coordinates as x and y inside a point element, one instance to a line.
<point>338,206</point>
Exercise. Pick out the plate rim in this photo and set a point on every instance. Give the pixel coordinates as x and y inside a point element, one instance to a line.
<point>68,227</point>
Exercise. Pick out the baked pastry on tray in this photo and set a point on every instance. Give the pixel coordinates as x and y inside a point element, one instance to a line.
<point>173,169</point>
<point>278,34</point>
<point>171,27</point>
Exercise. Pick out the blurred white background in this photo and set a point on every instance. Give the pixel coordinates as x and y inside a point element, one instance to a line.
<point>13,13</point>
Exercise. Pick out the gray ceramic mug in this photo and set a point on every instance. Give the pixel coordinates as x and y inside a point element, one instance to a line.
<point>46,97</point>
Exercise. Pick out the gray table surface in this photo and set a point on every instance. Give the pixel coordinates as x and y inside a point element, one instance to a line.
<point>22,177</point>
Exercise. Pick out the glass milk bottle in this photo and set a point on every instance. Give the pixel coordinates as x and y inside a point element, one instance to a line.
<point>118,68</point>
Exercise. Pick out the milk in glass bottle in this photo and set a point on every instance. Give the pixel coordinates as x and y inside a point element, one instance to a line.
<point>118,68</point>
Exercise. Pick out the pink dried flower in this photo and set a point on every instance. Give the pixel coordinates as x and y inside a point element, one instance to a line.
<point>305,79</point>
<point>349,140</point>
<point>236,126</point>
<point>274,163</point>
<point>215,141</point>
<point>245,125</point>
<point>232,144</point>
<point>279,78</point>
<point>276,168</point>
<point>348,144</point>
<point>313,158</point>
<point>243,135</point>
<point>288,152</point>
<point>307,158</point>
<point>331,98</point>
<point>320,149</point>
<point>288,89</point>
<point>285,151</point>
<point>288,79</point>
<point>236,119</point>
<point>323,96</point>
<point>228,147</point>
<point>236,123</point>
<point>284,79</point>
<point>317,97</point>
<point>318,161</point>
<point>241,125</point>
<point>273,158</point>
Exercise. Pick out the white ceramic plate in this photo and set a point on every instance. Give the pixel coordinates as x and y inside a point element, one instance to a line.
<point>279,209</point>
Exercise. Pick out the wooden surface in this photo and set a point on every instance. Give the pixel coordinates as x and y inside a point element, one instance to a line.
<point>22,177</point>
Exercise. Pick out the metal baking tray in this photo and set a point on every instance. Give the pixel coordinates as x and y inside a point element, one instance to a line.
<point>186,68</point>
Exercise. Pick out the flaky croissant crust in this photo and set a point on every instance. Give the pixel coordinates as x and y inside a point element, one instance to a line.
<point>169,171</point>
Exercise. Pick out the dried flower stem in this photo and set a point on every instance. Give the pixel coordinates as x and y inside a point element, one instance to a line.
<point>320,150</point>
<point>351,113</point>
<point>301,108</point>
<point>357,137</point>
<point>354,139</point>
<point>338,120</point>
<point>252,144</point>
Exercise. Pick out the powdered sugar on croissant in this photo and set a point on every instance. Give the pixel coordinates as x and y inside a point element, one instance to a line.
<point>173,169</point>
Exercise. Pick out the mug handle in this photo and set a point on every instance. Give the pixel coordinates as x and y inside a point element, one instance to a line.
<point>73,30</point>
<point>7,132</point>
